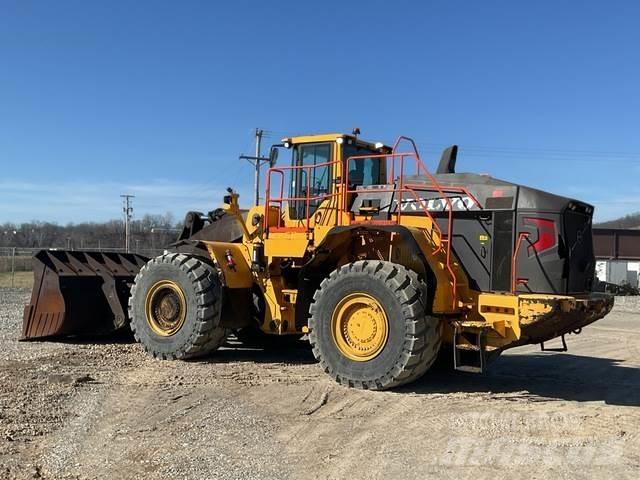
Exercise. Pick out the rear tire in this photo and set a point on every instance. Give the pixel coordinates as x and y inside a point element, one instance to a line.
<point>385,356</point>
<point>175,307</point>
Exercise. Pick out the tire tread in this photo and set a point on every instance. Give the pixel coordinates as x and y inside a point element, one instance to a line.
<point>207,335</point>
<point>422,331</point>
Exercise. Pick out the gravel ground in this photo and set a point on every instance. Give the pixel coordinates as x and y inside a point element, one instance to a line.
<point>106,410</point>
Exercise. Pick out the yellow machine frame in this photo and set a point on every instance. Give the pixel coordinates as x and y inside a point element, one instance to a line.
<point>273,231</point>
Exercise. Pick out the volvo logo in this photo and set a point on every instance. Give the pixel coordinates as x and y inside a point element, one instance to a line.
<point>436,204</point>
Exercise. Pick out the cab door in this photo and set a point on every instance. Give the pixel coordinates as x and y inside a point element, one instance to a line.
<point>315,182</point>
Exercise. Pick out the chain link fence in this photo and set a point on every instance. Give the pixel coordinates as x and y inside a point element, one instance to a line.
<point>14,260</point>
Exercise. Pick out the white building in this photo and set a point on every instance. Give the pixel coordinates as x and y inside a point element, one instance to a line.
<point>618,272</point>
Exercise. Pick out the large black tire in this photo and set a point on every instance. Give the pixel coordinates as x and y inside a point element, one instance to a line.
<point>200,332</point>
<point>413,338</point>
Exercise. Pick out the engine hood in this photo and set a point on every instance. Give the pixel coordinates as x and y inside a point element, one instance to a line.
<point>495,194</point>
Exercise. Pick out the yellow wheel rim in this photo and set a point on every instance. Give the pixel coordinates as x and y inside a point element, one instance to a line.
<point>360,327</point>
<point>165,307</point>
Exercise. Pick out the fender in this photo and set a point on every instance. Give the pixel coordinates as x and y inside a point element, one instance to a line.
<point>330,254</point>
<point>233,260</point>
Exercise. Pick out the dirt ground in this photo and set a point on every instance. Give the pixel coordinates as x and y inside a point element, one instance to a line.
<point>106,410</point>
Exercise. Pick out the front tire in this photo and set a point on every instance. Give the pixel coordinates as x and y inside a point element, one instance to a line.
<point>175,307</point>
<point>369,328</point>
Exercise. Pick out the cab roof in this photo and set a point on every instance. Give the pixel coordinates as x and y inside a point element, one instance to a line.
<point>330,137</point>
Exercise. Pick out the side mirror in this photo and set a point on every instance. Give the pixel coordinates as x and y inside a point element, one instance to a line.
<point>230,199</point>
<point>273,156</point>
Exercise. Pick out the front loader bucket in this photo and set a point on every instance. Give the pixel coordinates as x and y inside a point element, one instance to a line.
<point>79,293</point>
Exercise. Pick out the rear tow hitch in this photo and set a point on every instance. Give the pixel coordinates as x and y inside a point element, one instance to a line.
<point>469,351</point>
<point>557,349</point>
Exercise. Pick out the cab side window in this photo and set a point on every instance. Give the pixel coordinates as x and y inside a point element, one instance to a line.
<point>364,171</point>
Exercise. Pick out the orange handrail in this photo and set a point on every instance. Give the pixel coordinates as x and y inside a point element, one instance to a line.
<point>514,262</point>
<point>281,198</point>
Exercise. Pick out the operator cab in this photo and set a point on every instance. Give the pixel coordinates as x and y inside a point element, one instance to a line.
<point>321,163</point>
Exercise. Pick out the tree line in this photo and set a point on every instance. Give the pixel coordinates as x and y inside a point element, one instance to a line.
<point>147,233</point>
<point>628,221</point>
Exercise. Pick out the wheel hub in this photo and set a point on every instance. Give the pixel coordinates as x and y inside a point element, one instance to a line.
<point>359,327</point>
<point>165,308</point>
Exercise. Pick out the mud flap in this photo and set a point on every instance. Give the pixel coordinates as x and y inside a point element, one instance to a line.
<point>79,293</point>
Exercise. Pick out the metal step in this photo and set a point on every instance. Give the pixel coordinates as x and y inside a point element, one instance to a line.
<point>469,357</point>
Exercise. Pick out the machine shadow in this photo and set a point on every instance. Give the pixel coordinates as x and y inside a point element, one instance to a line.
<point>297,353</point>
<point>119,337</point>
<point>537,377</point>
<point>544,377</point>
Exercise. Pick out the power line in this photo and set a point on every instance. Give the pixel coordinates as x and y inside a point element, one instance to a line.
<point>577,155</point>
<point>519,153</point>
<point>538,150</point>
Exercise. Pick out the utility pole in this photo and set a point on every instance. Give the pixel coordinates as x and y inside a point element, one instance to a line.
<point>127,209</point>
<point>256,161</point>
<point>13,266</point>
<point>256,180</point>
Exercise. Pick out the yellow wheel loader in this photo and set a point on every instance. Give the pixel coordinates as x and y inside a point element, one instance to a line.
<point>383,264</point>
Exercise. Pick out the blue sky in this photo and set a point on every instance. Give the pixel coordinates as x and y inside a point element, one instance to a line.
<point>159,98</point>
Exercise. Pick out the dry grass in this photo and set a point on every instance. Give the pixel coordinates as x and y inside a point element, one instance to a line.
<point>20,280</point>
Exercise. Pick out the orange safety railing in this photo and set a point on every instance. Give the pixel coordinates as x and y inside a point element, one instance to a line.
<point>279,201</point>
<point>515,280</point>
<point>396,162</point>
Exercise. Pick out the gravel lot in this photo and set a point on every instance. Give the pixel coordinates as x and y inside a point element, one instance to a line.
<point>106,410</point>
